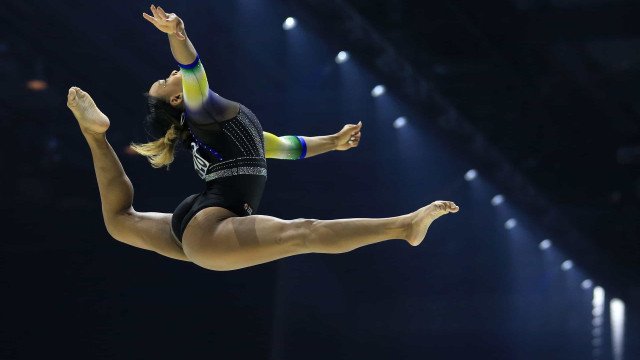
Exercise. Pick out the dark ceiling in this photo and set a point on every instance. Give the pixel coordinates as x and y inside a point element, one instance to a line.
<point>552,84</point>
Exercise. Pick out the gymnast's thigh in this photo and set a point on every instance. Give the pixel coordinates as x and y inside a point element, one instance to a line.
<point>217,239</point>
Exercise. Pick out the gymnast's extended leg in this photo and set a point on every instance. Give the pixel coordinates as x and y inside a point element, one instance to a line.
<point>217,240</point>
<point>146,230</point>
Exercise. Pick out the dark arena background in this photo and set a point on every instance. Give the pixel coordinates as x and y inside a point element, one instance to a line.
<point>526,113</point>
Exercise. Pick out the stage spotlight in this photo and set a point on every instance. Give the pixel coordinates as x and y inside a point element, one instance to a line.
<point>596,332</point>
<point>616,311</point>
<point>587,284</point>
<point>497,200</point>
<point>342,56</point>
<point>545,244</point>
<point>510,224</point>
<point>597,311</point>
<point>400,122</point>
<point>567,265</point>
<point>470,175</point>
<point>597,321</point>
<point>289,24</point>
<point>378,90</point>
<point>598,296</point>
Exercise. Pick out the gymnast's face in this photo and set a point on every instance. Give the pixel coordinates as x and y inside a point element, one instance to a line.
<point>169,89</point>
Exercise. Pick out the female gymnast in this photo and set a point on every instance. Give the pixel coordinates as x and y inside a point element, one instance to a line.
<point>218,229</point>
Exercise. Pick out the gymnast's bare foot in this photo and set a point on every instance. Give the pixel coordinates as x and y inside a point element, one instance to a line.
<point>90,118</point>
<point>422,218</point>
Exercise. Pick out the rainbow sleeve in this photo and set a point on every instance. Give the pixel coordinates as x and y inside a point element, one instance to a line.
<point>286,147</point>
<point>195,86</point>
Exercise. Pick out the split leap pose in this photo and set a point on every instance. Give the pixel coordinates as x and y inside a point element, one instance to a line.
<point>217,228</point>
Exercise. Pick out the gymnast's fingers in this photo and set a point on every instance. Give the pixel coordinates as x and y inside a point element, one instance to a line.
<point>162,14</point>
<point>149,18</point>
<point>156,13</point>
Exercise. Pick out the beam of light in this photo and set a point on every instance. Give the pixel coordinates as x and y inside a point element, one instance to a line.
<point>598,296</point>
<point>597,312</point>
<point>497,200</point>
<point>597,321</point>
<point>470,175</point>
<point>597,331</point>
<point>342,56</point>
<point>510,224</point>
<point>289,23</point>
<point>586,284</point>
<point>400,122</point>
<point>567,265</point>
<point>545,244</point>
<point>616,313</point>
<point>378,90</point>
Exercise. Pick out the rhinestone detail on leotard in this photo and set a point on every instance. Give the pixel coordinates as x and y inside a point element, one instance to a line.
<point>241,132</point>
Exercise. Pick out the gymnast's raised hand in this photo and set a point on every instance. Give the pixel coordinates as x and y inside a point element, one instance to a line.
<point>167,23</point>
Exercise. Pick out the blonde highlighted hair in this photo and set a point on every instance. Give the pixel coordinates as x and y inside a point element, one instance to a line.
<point>161,152</point>
<point>162,119</point>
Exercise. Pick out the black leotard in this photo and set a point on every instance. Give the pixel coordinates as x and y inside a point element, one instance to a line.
<point>228,155</point>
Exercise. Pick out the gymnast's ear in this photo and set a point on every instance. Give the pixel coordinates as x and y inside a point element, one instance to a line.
<point>176,100</point>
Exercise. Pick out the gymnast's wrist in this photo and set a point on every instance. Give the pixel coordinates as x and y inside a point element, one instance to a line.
<point>334,141</point>
<point>179,29</point>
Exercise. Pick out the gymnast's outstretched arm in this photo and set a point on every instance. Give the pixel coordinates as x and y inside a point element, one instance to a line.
<point>202,104</point>
<point>293,147</point>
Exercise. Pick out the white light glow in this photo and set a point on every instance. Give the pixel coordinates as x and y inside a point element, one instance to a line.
<point>378,90</point>
<point>470,175</point>
<point>597,321</point>
<point>545,244</point>
<point>400,122</point>
<point>342,57</point>
<point>567,265</point>
<point>598,318</point>
<point>616,311</point>
<point>289,24</point>
<point>598,296</point>
<point>587,284</point>
<point>597,311</point>
<point>510,224</point>
<point>497,200</point>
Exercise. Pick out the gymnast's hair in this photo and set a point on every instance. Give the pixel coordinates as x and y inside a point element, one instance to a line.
<point>162,119</point>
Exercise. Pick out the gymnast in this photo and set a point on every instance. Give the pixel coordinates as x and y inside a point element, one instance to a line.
<point>218,228</point>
